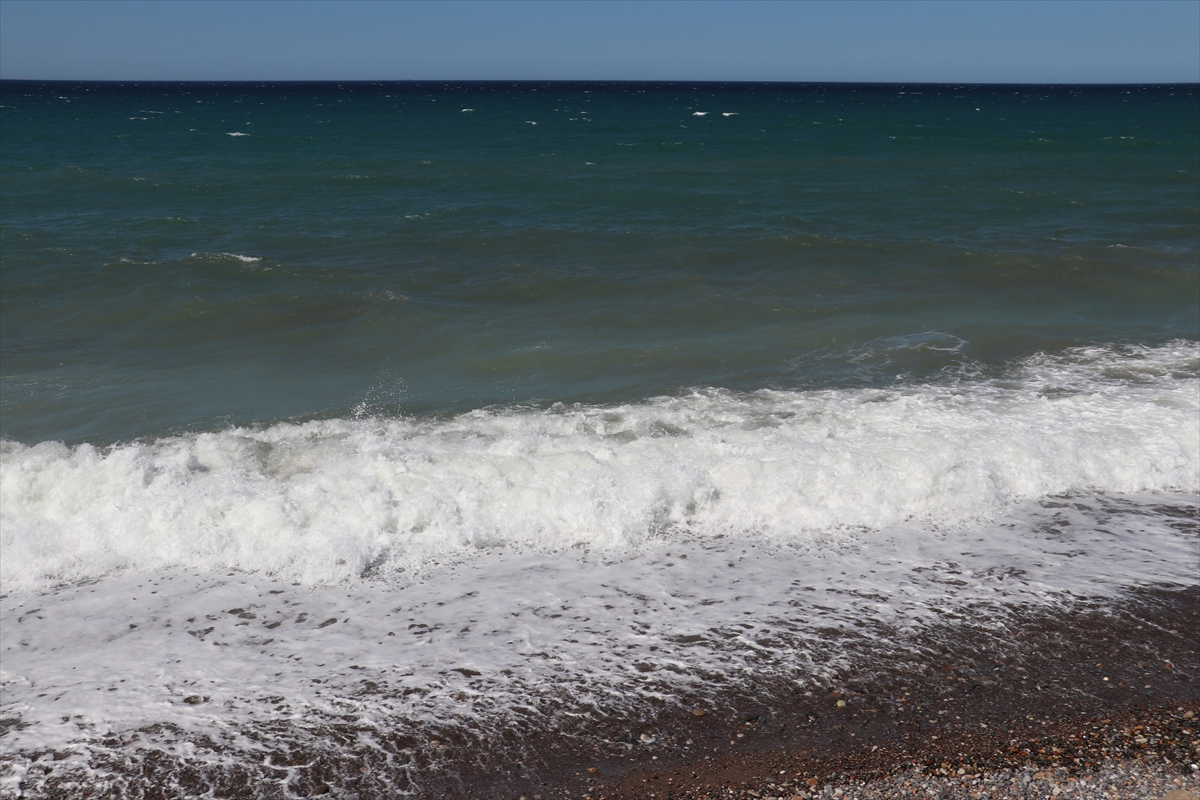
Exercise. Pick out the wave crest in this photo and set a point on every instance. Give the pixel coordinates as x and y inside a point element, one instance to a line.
<point>332,500</point>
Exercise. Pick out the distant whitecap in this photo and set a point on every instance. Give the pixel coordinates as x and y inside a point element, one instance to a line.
<point>243,259</point>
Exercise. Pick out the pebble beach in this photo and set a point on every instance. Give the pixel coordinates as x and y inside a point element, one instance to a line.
<point>1095,704</point>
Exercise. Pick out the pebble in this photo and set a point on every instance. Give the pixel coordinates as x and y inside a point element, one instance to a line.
<point>1111,781</point>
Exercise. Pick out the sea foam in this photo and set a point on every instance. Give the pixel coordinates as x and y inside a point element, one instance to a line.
<point>339,499</point>
<point>216,598</point>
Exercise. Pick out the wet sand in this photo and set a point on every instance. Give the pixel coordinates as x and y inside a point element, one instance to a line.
<point>1100,700</point>
<point>1056,700</point>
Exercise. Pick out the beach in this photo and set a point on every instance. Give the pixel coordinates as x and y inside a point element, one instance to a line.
<point>1098,702</point>
<point>585,439</point>
<point>1054,711</point>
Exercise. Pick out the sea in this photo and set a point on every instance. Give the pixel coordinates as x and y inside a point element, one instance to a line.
<point>346,422</point>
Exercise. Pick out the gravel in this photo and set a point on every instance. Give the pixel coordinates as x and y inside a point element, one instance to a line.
<point>1120,781</point>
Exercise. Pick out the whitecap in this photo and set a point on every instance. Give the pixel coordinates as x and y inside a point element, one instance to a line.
<point>320,501</point>
<point>557,561</point>
<point>243,259</point>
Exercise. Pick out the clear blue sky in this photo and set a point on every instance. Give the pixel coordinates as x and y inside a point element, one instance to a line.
<point>855,40</point>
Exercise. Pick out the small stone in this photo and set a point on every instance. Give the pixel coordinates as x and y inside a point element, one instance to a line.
<point>645,737</point>
<point>593,770</point>
<point>696,712</point>
<point>841,703</point>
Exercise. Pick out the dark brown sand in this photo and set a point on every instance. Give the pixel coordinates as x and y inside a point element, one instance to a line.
<point>1059,696</point>
<point>1102,700</point>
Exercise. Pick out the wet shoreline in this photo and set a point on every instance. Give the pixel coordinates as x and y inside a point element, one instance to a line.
<point>1100,686</point>
<point>1068,691</point>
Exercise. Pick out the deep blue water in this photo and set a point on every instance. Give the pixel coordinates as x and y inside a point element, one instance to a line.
<point>189,256</point>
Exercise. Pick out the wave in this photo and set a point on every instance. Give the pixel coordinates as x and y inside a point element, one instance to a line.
<point>341,499</point>
<point>236,256</point>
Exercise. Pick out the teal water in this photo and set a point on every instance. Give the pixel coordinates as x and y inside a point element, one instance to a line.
<point>574,406</point>
<point>414,249</point>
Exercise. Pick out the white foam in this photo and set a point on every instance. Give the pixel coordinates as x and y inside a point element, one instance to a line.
<point>699,113</point>
<point>329,500</point>
<point>237,133</point>
<point>573,558</point>
<point>240,665</point>
<point>241,258</point>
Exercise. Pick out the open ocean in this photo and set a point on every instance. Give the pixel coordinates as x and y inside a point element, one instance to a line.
<point>345,425</point>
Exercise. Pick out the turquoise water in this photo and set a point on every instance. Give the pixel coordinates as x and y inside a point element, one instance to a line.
<point>558,399</point>
<point>412,248</point>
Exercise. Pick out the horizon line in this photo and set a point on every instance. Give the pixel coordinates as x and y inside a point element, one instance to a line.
<point>588,80</point>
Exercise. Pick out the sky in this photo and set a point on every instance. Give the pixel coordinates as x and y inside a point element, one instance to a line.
<point>981,41</point>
